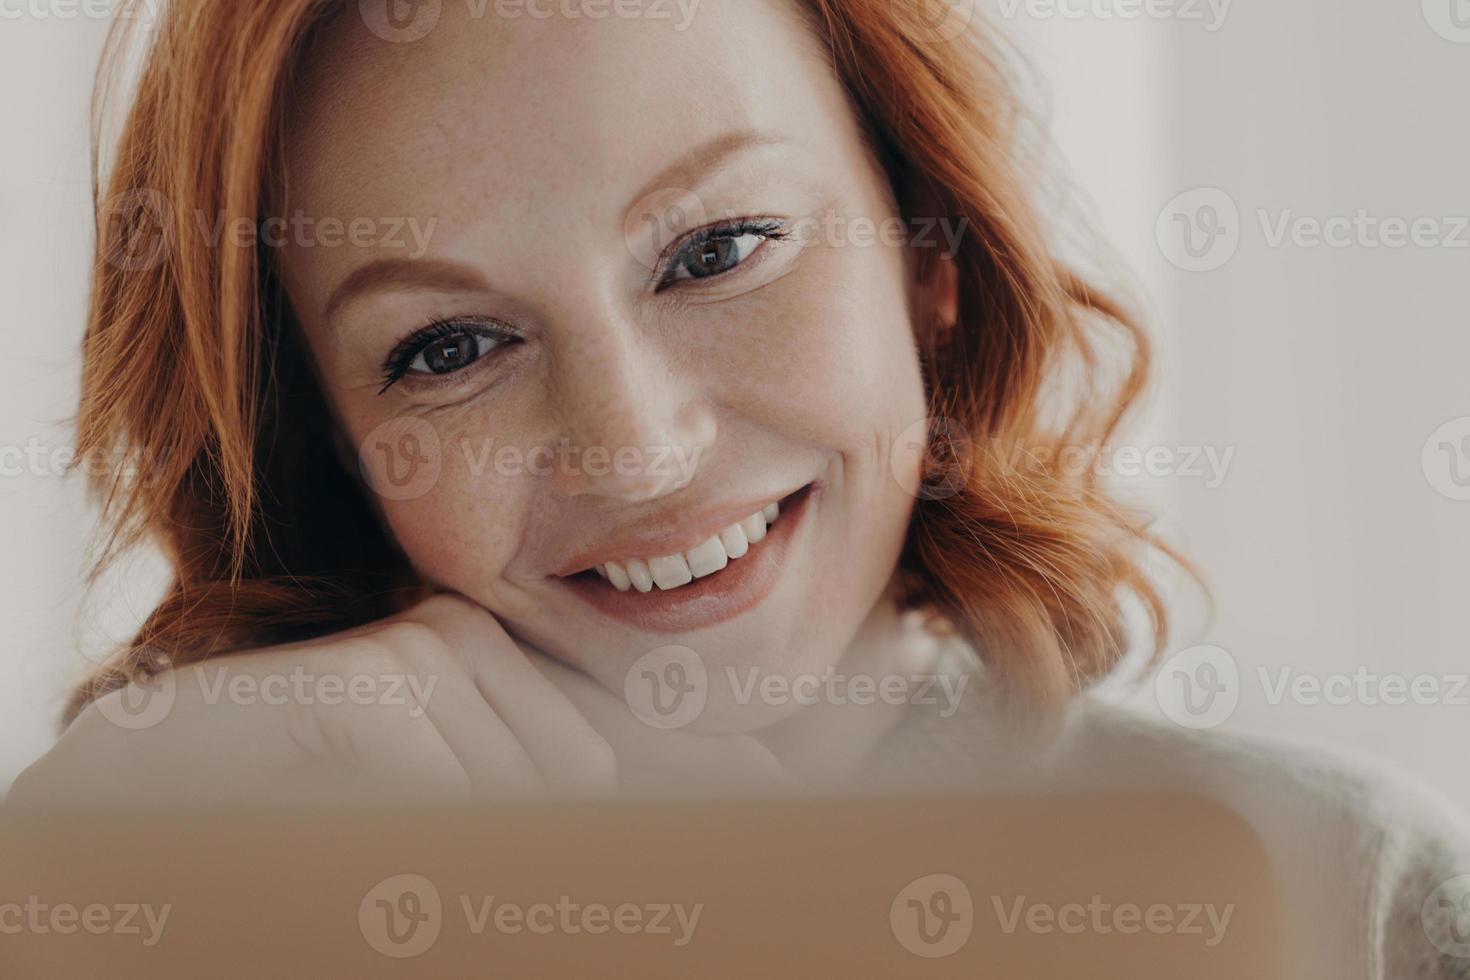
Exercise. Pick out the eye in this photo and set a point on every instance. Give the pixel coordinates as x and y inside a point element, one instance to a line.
<point>717,250</point>
<point>443,348</point>
<point>447,355</point>
<point>716,256</point>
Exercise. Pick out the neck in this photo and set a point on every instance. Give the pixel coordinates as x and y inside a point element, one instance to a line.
<point>826,743</point>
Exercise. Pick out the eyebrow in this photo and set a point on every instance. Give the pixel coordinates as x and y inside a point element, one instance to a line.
<point>403,275</point>
<point>707,156</point>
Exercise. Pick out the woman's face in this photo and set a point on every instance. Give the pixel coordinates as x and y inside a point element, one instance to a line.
<point>635,299</point>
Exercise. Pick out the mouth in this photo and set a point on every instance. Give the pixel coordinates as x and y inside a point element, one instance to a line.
<point>729,573</point>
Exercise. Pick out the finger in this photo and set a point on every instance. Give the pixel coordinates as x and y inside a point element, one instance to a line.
<point>429,653</point>
<point>377,750</point>
<point>688,760</point>
<point>567,752</point>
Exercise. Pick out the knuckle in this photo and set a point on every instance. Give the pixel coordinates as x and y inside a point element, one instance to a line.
<point>453,612</point>
<point>413,638</point>
<point>443,603</point>
<point>595,757</point>
<point>371,653</point>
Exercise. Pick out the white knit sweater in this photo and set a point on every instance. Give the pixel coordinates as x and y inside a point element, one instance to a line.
<point>1357,849</point>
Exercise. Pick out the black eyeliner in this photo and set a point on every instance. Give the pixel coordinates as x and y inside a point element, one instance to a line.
<point>769,228</point>
<point>401,357</point>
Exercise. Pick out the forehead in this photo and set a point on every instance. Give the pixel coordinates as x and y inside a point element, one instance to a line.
<point>510,114</point>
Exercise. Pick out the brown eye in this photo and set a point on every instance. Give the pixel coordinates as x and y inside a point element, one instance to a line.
<point>449,354</point>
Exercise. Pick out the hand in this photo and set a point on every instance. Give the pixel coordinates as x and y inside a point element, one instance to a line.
<point>438,703</point>
<point>446,706</point>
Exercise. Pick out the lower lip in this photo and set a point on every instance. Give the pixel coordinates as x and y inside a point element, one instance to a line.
<point>734,590</point>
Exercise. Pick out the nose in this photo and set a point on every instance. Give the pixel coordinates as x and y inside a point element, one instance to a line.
<point>636,423</point>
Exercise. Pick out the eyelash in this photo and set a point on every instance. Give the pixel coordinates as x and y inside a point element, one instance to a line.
<point>400,359</point>
<point>402,356</point>
<point>770,229</point>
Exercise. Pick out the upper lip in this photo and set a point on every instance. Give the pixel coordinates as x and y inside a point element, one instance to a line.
<point>668,532</point>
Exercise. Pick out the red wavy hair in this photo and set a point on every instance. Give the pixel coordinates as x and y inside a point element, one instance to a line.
<point>272,539</point>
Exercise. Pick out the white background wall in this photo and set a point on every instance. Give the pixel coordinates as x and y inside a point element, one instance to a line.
<point>1332,548</point>
<point>45,73</point>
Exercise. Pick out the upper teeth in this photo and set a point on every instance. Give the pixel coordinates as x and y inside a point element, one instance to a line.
<point>672,571</point>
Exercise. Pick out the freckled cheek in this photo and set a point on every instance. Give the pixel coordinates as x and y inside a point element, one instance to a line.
<point>463,531</point>
<point>829,350</point>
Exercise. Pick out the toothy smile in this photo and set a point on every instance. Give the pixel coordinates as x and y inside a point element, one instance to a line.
<point>674,571</point>
<point>710,564</point>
